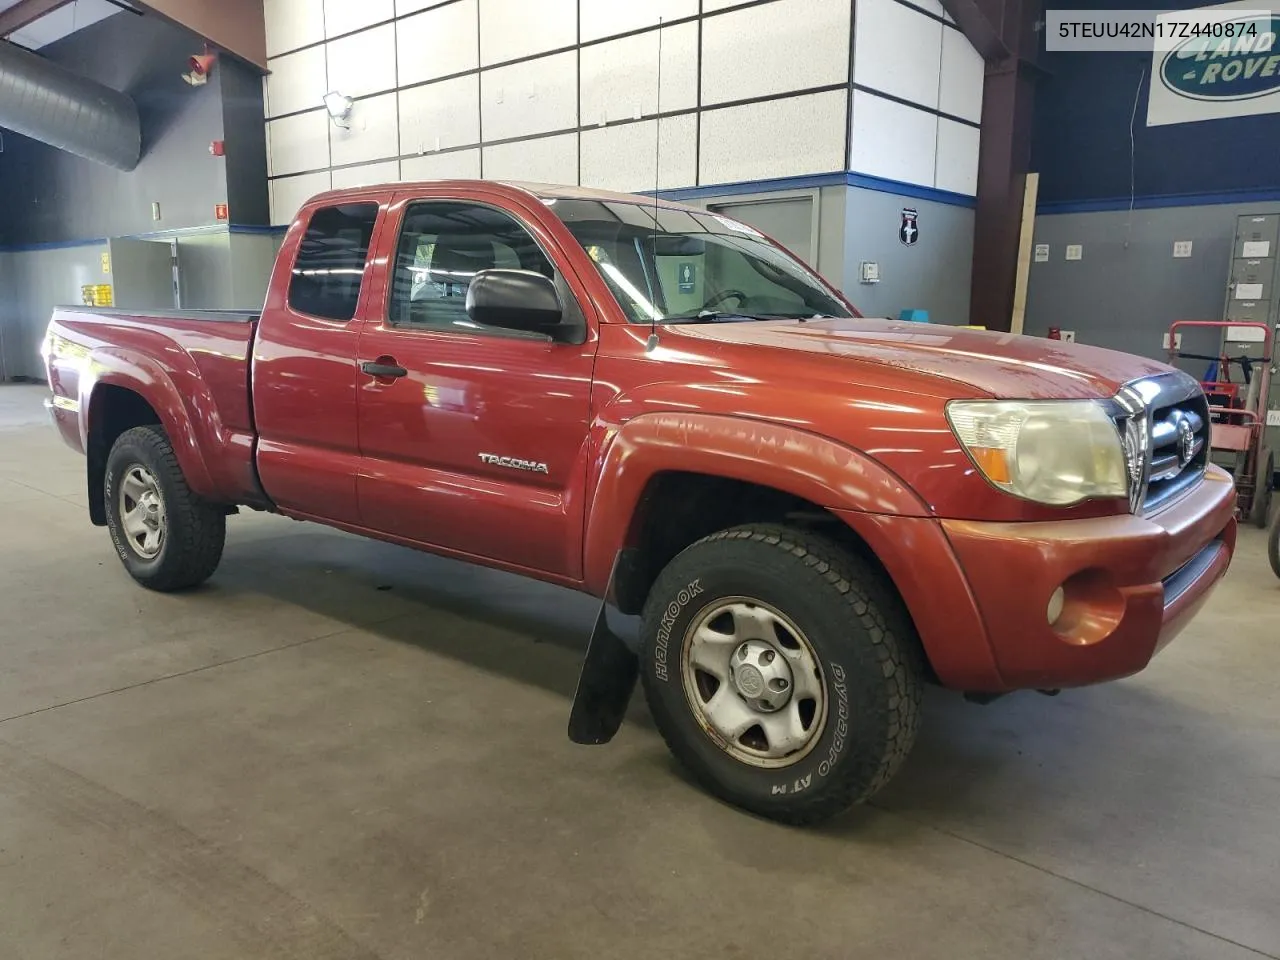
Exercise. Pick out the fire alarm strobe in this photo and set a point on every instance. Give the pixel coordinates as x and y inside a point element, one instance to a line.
<point>217,148</point>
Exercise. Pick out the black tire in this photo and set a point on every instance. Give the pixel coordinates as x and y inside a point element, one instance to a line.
<point>194,531</point>
<point>1273,545</point>
<point>856,624</point>
<point>1262,484</point>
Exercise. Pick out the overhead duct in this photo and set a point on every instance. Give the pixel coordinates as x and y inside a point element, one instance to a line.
<point>48,103</point>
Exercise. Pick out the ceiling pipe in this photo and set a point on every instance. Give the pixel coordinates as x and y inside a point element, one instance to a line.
<point>49,103</point>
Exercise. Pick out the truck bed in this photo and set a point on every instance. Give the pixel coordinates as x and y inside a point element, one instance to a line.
<point>194,364</point>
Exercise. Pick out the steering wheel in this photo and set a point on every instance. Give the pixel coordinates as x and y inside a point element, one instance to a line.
<point>722,296</point>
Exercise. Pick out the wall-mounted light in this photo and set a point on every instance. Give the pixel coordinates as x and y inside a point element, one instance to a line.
<point>339,107</point>
<point>199,68</point>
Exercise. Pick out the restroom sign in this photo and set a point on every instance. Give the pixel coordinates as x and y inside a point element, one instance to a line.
<point>687,277</point>
<point>909,228</point>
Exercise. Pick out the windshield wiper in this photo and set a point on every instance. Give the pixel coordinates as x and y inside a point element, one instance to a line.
<point>710,316</point>
<point>733,316</point>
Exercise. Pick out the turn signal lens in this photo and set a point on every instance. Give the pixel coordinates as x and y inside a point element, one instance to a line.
<point>993,462</point>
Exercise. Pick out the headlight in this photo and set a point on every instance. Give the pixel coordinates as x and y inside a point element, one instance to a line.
<point>1056,452</point>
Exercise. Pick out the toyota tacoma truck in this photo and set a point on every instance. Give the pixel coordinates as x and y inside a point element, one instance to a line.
<point>813,513</point>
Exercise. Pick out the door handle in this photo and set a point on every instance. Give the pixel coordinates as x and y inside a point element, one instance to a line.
<point>388,371</point>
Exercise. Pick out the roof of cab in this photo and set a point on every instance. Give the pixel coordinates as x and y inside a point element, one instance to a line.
<point>543,191</point>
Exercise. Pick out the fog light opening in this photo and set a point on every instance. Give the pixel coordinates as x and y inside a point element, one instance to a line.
<point>1056,601</point>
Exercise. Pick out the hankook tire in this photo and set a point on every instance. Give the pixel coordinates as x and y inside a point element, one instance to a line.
<point>166,536</point>
<point>782,671</point>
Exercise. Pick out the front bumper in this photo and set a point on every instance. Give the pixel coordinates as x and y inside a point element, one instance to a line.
<point>1131,583</point>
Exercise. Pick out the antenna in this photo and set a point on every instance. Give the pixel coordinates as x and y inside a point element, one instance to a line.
<point>652,343</point>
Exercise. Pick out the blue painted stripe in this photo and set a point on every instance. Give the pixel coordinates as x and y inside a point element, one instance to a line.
<point>51,245</point>
<point>750,186</point>
<point>1157,201</point>
<point>861,180</point>
<point>915,191</point>
<point>175,234</point>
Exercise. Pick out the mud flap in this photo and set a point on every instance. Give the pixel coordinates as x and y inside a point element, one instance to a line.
<point>609,673</point>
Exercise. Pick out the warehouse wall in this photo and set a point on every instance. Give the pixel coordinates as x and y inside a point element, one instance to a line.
<point>1097,158</point>
<point>40,279</point>
<point>566,91</point>
<point>59,209</point>
<point>933,274</point>
<point>1128,287</point>
<point>53,196</point>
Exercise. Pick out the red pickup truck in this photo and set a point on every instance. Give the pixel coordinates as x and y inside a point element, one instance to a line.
<point>813,512</point>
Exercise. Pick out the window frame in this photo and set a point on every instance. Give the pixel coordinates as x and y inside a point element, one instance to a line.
<point>379,206</point>
<point>568,299</point>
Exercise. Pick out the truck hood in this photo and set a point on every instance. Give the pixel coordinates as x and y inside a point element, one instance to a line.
<point>1002,365</point>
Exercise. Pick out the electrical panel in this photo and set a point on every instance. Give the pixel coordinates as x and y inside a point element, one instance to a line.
<point>1252,297</point>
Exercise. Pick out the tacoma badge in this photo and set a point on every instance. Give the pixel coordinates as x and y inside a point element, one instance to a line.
<point>515,463</point>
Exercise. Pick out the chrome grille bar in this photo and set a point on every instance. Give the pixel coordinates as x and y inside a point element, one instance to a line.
<point>1165,428</point>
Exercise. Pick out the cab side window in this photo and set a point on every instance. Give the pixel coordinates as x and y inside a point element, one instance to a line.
<point>442,246</point>
<point>329,268</point>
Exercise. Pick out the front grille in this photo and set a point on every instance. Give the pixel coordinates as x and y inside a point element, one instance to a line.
<point>1167,421</point>
<point>1179,449</point>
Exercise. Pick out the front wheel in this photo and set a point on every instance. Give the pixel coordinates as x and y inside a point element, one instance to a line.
<point>782,671</point>
<point>1262,484</point>
<point>1273,546</point>
<point>166,536</point>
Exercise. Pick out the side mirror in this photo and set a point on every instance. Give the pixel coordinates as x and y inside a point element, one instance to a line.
<point>514,300</point>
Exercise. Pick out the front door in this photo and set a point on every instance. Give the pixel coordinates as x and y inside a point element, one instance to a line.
<point>472,438</point>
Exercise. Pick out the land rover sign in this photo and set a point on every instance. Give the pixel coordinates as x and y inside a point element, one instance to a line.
<point>1234,73</point>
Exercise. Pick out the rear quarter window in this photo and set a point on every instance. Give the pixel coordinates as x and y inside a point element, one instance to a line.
<point>329,269</point>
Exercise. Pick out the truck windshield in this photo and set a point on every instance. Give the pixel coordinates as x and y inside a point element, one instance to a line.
<point>685,267</point>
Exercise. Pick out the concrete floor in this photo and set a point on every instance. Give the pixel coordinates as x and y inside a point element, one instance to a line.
<point>341,749</point>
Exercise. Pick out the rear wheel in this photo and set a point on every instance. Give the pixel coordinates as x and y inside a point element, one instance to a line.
<point>782,671</point>
<point>166,536</point>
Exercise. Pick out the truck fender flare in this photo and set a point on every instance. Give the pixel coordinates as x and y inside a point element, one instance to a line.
<point>785,458</point>
<point>149,380</point>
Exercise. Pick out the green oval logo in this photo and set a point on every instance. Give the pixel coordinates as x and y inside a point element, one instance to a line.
<point>1240,62</point>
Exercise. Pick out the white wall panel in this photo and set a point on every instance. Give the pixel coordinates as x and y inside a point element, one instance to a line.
<point>960,90</point>
<point>437,43</point>
<point>775,47</point>
<point>344,16</point>
<point>622,157</point>
<point>461,164</point>
<point>957,163</point>
<point>605,18</point>
<point>892,140</point>
<point>520,28</point>
<point>710,5</point>
<point>298,143</point>
<point>292,24</point>
<point>620,77</point>
<point>372,135</point>
<point>289,193</point>
<point>296,82</point>
<point>406,7</point>
<point>440,115</point>
<point>548,160</point>
<point>778,138</point>
<point>364,62</point>
<point>897,50</point>
<point>533,97</point>
<point>388,171</point>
